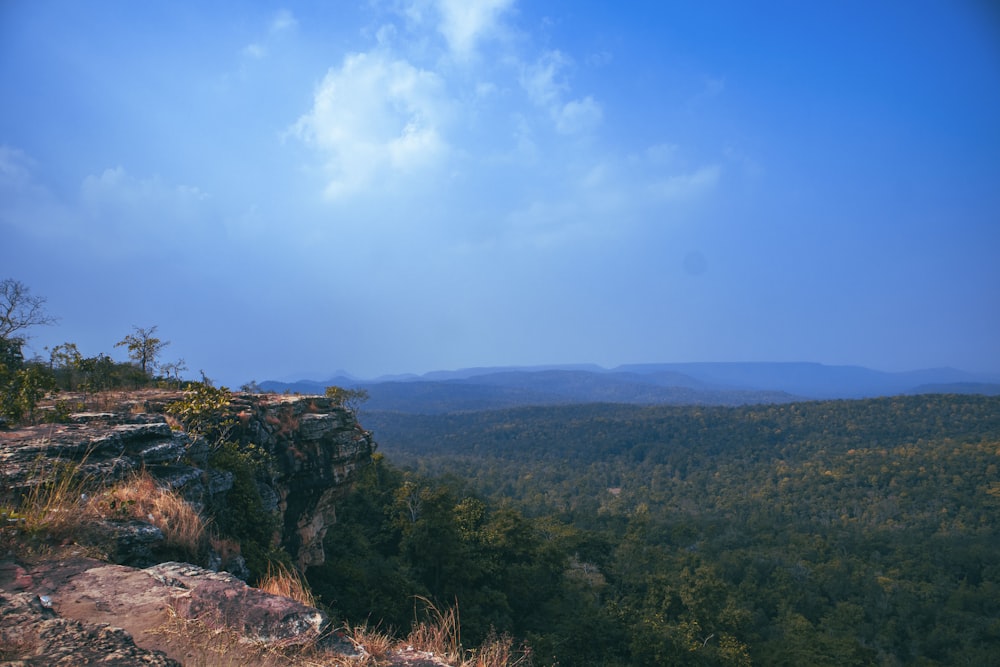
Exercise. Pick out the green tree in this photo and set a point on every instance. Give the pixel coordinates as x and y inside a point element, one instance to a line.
<point>22,389</point>
<point>143,347</point>
<point>22,384</point>
<point>11,357</point>
<point>65,361</point>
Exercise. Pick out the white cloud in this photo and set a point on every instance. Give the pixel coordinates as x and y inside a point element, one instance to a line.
<point>578,116</point>
<point>710,90</point>
<point>687,186</point>
<point>546,88</point>
<point>600,58</point>
<point>661,154</point>
<point>283,20</point>
<point>540,80</point>
<point>15,168</point>
<point>112,214</point>
<point>25,203</point>
<point>126,208</point>
<point>466,22</point>
<point>255,51</point>
<point>386,34</point>
<point>117,186</point>
<point>375,114</point>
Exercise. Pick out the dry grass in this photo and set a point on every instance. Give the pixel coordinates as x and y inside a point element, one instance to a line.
<point>197,644</point>
<point>375,644</point>
<point>281,580</point>
<point>140,497</point>
<point>499,651</point>
<point>53,511</point>
<point>64,505</point>
<point>440,632</point>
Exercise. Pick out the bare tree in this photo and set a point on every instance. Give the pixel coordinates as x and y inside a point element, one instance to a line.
<point>143,347</point>
<point>20,310</point>
<point>174,369</point>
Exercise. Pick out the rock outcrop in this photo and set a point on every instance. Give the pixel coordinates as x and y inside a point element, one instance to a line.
<point>78,607</point>
<point>77,610</point>
<point>313,448</point>
<point>32,633</point>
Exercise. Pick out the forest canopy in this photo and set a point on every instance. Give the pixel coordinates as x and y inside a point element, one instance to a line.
<point>821,533</point>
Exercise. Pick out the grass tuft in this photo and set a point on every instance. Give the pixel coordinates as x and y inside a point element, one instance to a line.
<point>499,651</point>
<point>52,512</point>
<point>440,632</point>
<point>140,497</point>
<point>375,644</point>
<point>287,582</point>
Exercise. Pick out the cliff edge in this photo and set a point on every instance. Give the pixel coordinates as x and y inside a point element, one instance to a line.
<point>85,572</point>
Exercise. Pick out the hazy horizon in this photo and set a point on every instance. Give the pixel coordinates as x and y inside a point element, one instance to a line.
<point>321,376</point>
<point>417,185</point>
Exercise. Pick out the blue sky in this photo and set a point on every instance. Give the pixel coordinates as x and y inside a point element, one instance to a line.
<point>408,185</point>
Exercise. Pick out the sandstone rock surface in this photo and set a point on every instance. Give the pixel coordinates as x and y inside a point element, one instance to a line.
<point>33,634</point>
<point>54,610</point>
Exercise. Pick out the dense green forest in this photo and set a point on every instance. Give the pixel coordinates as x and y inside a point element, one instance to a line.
<point>820,533</point>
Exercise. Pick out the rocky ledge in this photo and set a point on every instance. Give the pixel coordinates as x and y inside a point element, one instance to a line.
<point>69,611</point>
<point>77,610</point>
<point>313,447</point>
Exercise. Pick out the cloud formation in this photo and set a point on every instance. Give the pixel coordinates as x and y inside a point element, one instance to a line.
<point>547,87</point>
<point>465,22</point>
<point>375,115</point>
<point>687,185</point>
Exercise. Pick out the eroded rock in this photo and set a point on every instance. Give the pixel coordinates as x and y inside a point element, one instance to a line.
<point>33,634</point>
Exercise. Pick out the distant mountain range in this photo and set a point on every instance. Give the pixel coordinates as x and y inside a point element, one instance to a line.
<point>674,384</point>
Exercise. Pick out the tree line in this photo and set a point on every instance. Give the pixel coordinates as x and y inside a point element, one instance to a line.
<point>24,382</point>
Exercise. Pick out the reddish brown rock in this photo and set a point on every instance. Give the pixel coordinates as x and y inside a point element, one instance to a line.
<point>117,607</point>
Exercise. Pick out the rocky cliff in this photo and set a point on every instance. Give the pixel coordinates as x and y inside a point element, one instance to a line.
<point>311,449</point>
<point>314,447</point>
<point>306,451</point>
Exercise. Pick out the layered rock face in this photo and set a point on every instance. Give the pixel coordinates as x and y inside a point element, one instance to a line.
<point>68,611</point>
<point>313,449</point>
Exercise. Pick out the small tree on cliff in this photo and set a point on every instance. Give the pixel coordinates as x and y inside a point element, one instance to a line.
<point>350,399</point>
<point>143,347</point>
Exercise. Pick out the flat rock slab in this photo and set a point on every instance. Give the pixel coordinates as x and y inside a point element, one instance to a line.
<point>141,602</point>
<point>33,634</point>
